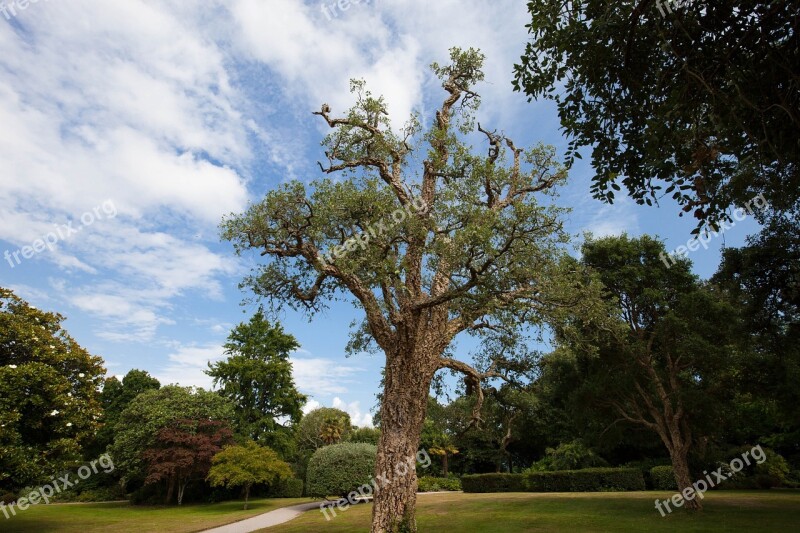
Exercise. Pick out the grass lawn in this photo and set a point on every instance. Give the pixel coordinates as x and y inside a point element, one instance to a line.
<point>729,511</point>
<point>104,517</point>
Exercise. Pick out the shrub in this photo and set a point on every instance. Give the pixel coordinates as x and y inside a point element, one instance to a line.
<point>586,480</point>
<point>573,455</point>
<point>493,483</point>
<point>368,435</point>
<point>663,478</point>
<point>436,484</point>
<point>25,491</point>
<point>773,471</point>
<point>8,497</point>
<point>287,488</point>
<point>645,466</point>
<point>339,469</point>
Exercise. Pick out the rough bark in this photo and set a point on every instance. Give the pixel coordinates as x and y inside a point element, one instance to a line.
<point>680,467</point>
<point>407,384</point>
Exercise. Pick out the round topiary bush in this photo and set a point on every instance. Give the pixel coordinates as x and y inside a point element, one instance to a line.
<point>339,469</point>
<point>663,478</point>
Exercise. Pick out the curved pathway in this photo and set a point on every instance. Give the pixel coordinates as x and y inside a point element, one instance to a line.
<point>279,516</point>
<point>268,519</point>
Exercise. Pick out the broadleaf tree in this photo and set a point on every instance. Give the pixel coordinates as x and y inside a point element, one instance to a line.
<point>49,394</point>
<point>153,410</point>
<point>699,101</point>
<point>247,465</point>
<point>182,452</point>
<point>663,360</point>
<point>458,244</point>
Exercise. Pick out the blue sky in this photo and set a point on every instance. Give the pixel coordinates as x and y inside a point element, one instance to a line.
<point>129,128</point>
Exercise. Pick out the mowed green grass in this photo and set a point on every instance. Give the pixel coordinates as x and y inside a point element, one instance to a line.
<point>729,511</point>
<point>104,517</point>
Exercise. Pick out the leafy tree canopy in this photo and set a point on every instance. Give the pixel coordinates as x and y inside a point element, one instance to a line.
<point>115,397</point>
<point>257,378</point>
<point>49,389</point>
<point>247,465</point>
<point>311,430</point>
<point>154,410</point>
<point>183,450</point>
<point>703,100</point>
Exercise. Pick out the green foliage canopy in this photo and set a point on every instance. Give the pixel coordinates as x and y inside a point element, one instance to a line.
<point>247,465</point>
<point>704,100</point>
<point>49,394</point>
<point>154,410</point>
<point>257,378</point>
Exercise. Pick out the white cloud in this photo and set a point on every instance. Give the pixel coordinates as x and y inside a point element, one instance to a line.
<point>187,365</point>
<point>125,101</point>
<point>310,406</point>
<point>353,409</point>
<point>615,219</point>
<point>389,43</point>
<point>317,376</point>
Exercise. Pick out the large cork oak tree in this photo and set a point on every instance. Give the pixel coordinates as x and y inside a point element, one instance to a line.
<point>427,239</point>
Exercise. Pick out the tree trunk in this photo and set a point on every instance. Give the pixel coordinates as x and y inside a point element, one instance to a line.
<point>680,467</point>
<point>246,495</point>
<point>170,489</point>
<point>181,489</point>
<point>407,381</point>
<point>444,464</point>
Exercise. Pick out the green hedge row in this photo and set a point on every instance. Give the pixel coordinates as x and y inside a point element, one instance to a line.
<point>586,480</point>
<point>493,483</point>
<point>437,484</point>
<point>663,478</point>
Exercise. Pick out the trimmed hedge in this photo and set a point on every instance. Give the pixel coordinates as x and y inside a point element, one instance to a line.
<point>339,469</point>
<point>493,483</point>
<point>663,478</point>
<point>586,480</point>
<point>436,484</point>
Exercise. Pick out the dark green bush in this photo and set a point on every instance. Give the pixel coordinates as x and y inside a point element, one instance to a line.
<point>645,466</point>
<point>586,480</point>
<point>663,478</point>
<point>287,488</point>
<point>493,483</point>
<point>8,497</point>
<point>436,484</point>
<point>368,435</point>
<point>573,455</point>
<point>339,469</point>
<point>773,471</point>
